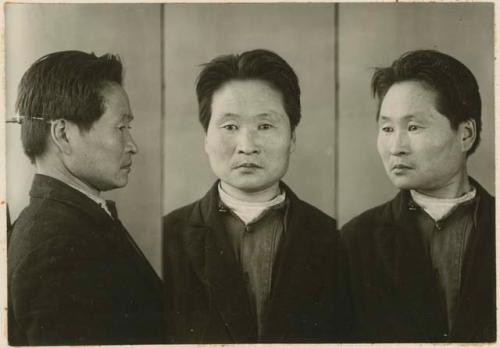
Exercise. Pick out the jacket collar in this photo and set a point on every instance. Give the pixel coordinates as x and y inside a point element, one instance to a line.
<point>405,260</point>
<point>220,272</point>
<point>46,187</point>
<point>216,266</point>
<point>402,207</point>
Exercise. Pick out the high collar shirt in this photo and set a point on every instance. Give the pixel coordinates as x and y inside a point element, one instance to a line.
<point>446,242</point>
<point>255,245</point>
<point>99,200</point>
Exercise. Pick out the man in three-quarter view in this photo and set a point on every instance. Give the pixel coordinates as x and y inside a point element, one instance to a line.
<point>75,275</point>
<point>250,261</point>
<point>422,265</point>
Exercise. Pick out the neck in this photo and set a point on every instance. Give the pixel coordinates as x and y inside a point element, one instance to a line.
<point>259,196</point>
<point>54,167</point>
<point>454,188</point>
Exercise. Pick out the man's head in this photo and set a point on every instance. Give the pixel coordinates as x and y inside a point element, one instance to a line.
<point>429,117</point>
<point>74,108</point>
<point>249,106</point>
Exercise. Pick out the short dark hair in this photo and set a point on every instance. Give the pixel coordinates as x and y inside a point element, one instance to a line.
<point>63,85</point>
<point>257,64</point>
<point>457,90</point>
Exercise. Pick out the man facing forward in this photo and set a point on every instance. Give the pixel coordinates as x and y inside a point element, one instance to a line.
<point>75,274</point>
<point>423,264</point>
<point>250,261</point>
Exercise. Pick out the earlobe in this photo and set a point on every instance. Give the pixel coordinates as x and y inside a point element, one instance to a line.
<point>468,134</point>
<point>205,144</point>
<point>59,135</point>
<point>293,141</point>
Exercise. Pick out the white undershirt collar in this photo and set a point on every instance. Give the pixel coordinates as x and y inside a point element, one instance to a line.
<point>99,200</point>
<point>438,208</point>
<point>248,211</point>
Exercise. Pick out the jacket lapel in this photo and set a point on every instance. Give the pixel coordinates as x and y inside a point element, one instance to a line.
<point>294,276</point>
<point>476,307</point>
<point>408,265</point>
<point>219,269</point>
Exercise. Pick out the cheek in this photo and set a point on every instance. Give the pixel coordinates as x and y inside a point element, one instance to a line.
<point>219,147</point>
<point>382,146</point>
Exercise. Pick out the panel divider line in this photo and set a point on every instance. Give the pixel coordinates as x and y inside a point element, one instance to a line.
<point>336,110</point>
<point>162,123</point>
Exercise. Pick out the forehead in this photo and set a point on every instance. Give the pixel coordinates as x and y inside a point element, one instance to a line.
<point>247,98</point>
<point>408,98</point>
<point>116,101</point>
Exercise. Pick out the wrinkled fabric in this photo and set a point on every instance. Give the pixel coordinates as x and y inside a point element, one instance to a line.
<point>75,276</point>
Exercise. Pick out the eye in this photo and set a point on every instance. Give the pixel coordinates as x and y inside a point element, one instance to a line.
<point>387,129</point>
<point>265,126</point>
<point>230,127</point>
<point>413,127</point>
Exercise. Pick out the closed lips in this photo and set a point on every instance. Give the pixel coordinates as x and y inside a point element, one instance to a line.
<point>247,165</point>
<point>401,166</point>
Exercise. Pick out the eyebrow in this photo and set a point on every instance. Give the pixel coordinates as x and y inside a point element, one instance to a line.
<point>406,117</point>
<point>127,117</point>
<point>270,115</point>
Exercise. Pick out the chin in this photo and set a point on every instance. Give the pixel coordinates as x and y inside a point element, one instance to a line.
<point>115,185</point>
<point>249,187</point>
<point>403,183</point>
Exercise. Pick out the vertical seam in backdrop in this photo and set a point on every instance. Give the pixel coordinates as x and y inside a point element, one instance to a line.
<point>162,132</point>
<point>336,109</point>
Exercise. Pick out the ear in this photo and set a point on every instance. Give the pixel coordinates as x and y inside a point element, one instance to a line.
<point>205,143</point>
<point>468,134</point>
<point>59,130</point>
<point>293,141</point>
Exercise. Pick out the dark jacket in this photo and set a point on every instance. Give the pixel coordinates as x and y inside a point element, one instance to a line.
<point>206,296</point>
<point>395,291</point>
<point>76,276</point>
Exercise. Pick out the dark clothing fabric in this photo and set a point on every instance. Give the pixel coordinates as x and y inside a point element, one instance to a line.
<point>255,246</point>
<point>395,288</point>
<point>206,292</point>
<point>446,243</point>
<point>76,276</point>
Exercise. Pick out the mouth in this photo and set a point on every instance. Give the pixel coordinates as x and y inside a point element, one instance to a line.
<point>400,167</point>
<point>246,165</point>
<point>127,166</point>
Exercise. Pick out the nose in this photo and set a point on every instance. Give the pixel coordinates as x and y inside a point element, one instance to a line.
<point>247,142</point>
<point>131,146</point>
<point>399,143</point>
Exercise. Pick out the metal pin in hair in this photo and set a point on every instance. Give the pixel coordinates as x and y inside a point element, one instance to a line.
<point>19,119</point>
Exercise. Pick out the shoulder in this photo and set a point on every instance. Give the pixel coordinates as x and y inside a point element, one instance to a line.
<point>46,219</point>
<point>179,216</point>
<point>312,214</point>
<point>52,229</point>
<point>366,222</point>
<point>312,224</point>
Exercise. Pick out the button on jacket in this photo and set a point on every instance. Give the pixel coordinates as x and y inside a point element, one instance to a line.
<point>395,291</point>
<point>76,276</point>
<point>205,290</point>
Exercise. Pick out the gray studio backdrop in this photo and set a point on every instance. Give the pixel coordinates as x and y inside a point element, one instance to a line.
<point>162,47</point>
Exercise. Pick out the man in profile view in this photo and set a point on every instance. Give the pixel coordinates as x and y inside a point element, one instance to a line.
<point>250,262</point>
<point>422,265</point>
<point>75,275</point>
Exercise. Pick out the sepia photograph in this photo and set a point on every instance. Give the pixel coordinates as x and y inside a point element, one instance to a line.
<point>227,173</point>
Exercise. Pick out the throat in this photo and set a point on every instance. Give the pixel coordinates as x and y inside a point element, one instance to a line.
<point>261,196</point>
<point>249,211</point>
